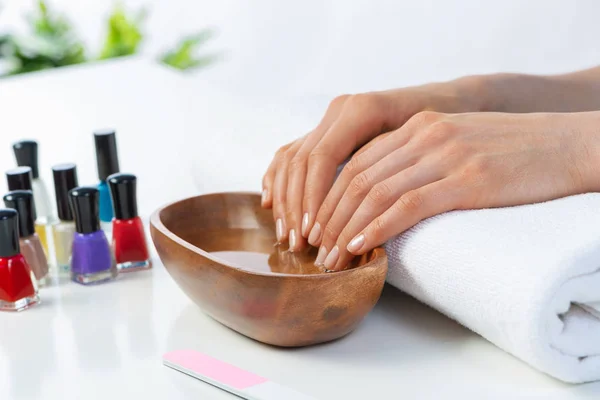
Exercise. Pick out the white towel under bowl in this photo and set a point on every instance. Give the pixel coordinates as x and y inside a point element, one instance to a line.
<point>526,278</point>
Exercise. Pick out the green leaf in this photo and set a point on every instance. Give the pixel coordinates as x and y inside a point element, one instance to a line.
<point>183,56</point>
<point>124,33</point>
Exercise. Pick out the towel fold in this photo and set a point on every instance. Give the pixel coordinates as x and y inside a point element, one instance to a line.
<point>526,278</point>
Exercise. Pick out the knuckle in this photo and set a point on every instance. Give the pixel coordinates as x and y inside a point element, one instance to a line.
<point>366,103</point>
<point>283,149</point>
<point>279,199</point>
<point>318,153</point>
<point>325,211</point>
<point>455,150</point>
<point>353,167</point>
<point>380,193</point>
<point>476,171</point>
<point>289,154</point>
<point>440,131</point>
<point>297,162</point>
<point>359,185</point>
<point>331,232</point>
<point>410,202</point>
<point>378,228</point>
<point>425,118</point>
<point>339,101</point>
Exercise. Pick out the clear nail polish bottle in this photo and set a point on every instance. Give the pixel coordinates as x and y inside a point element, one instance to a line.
<point>23,202</point>
<point>128,239</point>
<point>18,290</point>
<point>21,178</point>
<point>92,261</point>
<point>26,154</point>
<point>63,231</point>
<point>107,160</point>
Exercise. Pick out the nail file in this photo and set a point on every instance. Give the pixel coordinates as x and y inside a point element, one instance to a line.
<point>228,377</point>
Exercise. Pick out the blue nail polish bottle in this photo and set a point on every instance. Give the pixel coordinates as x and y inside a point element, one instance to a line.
<point>108,164</point>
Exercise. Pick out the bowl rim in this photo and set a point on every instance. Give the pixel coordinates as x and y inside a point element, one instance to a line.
<point>156,223</point>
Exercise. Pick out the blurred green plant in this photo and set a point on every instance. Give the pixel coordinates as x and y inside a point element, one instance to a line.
<point>52,42</point>
<point>124,34</point>
<point>184,56</point>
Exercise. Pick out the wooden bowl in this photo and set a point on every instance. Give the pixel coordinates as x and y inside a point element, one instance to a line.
<point>220,250</point>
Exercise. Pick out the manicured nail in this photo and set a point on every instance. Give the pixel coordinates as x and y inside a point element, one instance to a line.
<point>265,194</point>
<point>357,243</point>
<point>321,256</point>
<point>332,258</point>
<point>315,234</point>
<point>279,229</point>
<point>305,225</point>
<point>292,240</point>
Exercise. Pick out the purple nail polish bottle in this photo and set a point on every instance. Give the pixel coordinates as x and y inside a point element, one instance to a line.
<point>91,261</point>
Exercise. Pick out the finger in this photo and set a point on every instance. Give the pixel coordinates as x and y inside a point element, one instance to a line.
<point>280,191</point>
<point>296,221</point>
<point>361,119</point>
<point>380,198</point>
<point>266,200</point>
<point>357,165</point>
<point>269,178</point>
<point>361,187</point>
<point>372,143</point>
<point>411,208</point>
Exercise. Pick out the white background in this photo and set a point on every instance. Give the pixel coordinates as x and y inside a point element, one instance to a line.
<point>335,46</point>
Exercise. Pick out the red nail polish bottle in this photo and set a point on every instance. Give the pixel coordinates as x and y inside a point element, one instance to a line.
<point>17,288</point>
<point>129,238</point>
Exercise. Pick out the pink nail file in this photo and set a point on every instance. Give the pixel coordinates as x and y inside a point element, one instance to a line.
<point>228,377</point>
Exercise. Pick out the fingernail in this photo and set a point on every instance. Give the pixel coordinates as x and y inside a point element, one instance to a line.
<point>315,234</point>
<point>356,244</point>
<point>264,196</point>
<point>332,257</point>
<point>279,229</point>
<point>321,256</point>
<point>292,239</point>
<point>305,224</point>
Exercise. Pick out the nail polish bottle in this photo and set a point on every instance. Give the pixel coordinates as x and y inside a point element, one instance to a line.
<point>26,154</point>
<point>18,289</point>
<point>63,230</point>
<point>128,236</point>
<point>91,262</point>
<point>108,163</point>
<point>21,178</point>
<point>23,202</point>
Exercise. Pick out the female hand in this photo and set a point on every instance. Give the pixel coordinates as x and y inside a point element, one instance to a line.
<point>440,162</point>
<point>303,171</point>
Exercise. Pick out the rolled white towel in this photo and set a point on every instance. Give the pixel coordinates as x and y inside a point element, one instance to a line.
<point>526,278</point>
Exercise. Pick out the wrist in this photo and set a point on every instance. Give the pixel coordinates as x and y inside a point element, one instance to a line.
<point>471,93</point>
<point>585,159</point>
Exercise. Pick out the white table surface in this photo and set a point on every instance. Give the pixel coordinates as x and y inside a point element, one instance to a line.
<point>107,341</point>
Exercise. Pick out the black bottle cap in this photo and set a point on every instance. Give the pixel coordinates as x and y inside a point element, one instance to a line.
<point>84,204</point>
<point>106,153</point>
<point>19,178</point>
<point>9,233</point>
<point>65,179</point>
<point>26,153</point>
<point>123,189</point>
<point>22,201</point>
